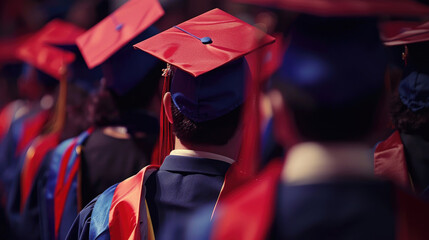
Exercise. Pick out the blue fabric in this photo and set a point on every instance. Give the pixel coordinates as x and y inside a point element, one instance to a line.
<point>334,61</point>
<point>181,186</point>
<point>25,224</point>
<point>212,94</point>
<point>128,67</point>
<point>414,91</point>
<point>9,160</point>
<point>49,189</point>
<point>99,227</point>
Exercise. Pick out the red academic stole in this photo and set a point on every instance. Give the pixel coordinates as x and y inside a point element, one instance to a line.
<point>6,117</point>
<point>64,184</point>
<point>124,214</point>
<point>34,157</point>
<point>31,129</point>
<point>389,161</point>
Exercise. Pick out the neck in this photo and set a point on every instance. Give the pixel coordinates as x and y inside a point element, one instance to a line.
<point>317,162</point>
<point>224,150</point>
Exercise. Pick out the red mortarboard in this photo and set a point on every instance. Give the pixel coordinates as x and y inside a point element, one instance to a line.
<point>348,7</point>
<point>51,60</point>
<point>400,32</point>
<point>228,38</point>
<point>9,48</point>
<point>116,30</point>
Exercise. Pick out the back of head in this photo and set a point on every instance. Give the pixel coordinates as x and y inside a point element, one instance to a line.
<point>332,77</point>
<point>207,109</point>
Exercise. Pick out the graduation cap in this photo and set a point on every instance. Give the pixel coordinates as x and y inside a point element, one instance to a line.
<point>207,53</point>
<point>78,72</point>
<point>347,8</point>
<point>50,60</point>
<point>109,44</point>
<point>414,88</point>
<point>334,60</point>
<point>394,33</point>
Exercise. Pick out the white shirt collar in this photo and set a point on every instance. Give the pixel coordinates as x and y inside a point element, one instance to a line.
<point>314,162</point>
<point>201,154</point>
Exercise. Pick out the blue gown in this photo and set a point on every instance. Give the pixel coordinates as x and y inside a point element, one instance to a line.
<point>173,193</point>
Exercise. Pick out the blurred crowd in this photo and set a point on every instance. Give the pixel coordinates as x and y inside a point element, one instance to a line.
<point>214,119</point>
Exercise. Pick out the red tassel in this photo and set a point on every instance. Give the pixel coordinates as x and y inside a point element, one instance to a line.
<point>166,138</point>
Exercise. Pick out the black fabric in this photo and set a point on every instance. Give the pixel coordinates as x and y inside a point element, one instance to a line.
<point>107,160</point>
<point>339,210</point>
<point>417,159</point>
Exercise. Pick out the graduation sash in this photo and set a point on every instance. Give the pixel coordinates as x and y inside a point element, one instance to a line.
<point>389,160</point>
<point>239,208</point>
<point>62,181</point>
<point>33,159</point>
<point>116,213</point>
<point>31,128</point>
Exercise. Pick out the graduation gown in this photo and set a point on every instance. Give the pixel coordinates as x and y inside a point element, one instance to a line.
<point>21,132</point>
<point>22,207</point>
<point>343,209</point>
<point>80,169</point>
<point>172,193</point>
<point>403,159</point>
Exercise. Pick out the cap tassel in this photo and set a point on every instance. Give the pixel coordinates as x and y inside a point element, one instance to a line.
<point>166,139</point>
<point>58,121</point>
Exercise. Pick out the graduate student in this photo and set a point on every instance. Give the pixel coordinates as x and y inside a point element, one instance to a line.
<point>203,105</point>
<point>402,157</point>
<point>22,206</point>
<point>124,130</point>
<point>327,95</point>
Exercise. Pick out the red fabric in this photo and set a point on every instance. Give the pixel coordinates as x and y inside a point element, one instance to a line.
<point>412,217</point>
<point>262,63</point>
<point>35,154</point>
<point>348,7</point>
<point>251,206</point>
<point>6,116</point>
<point>61,189</point>
<point>191,55</point>
<point>113,32</point>
<point>265,61</point>
<point>389,160</point>
<point>9,48</point>
<point>31,128</point>
<point>63,185</point>
<point>124,215</point>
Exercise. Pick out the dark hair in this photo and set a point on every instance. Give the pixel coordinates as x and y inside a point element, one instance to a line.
<point>213,132</point>
<point>408,121</point>
<point>350,121</point>
<point>107,106</point>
